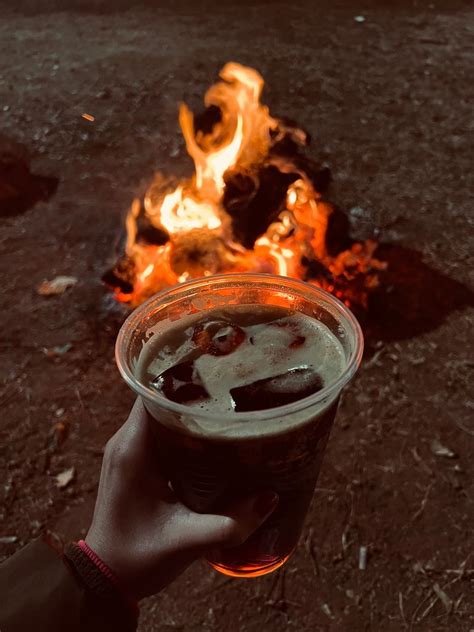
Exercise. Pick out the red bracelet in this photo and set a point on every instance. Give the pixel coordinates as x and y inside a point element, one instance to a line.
<point>105,570</point>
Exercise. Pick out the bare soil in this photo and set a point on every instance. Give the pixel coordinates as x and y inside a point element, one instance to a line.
<point>388,101</point>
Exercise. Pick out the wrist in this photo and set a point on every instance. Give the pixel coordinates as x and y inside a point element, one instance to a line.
<point>102,565</point>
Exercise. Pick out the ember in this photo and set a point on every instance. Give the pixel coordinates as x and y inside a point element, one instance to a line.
<point>254,204</point>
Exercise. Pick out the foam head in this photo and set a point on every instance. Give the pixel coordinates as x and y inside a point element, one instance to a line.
<point>241,358</point>
<point>311,339</point>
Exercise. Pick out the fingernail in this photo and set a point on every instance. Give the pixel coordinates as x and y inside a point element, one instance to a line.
<point>265,503</point>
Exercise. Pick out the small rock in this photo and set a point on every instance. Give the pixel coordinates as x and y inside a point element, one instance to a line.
<point>359,18</point>
<point>63,479</point>
<point>440,450</point>
<point>327,610</point>
<point>362,558</point>
<point>8,539</point>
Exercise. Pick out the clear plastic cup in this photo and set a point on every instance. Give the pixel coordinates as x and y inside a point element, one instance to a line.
<point>211,458</point>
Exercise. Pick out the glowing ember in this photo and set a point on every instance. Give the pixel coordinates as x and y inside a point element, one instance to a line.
<point>252,205</point>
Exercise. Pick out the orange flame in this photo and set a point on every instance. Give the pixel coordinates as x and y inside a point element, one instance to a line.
<point>200,234</point>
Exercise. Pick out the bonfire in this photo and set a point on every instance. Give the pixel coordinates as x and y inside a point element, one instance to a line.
<point>255,203</point>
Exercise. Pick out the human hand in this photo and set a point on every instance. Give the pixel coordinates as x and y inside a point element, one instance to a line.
<point>141,530</point>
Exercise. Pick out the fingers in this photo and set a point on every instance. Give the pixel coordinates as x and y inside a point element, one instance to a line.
<point>132,440</point>
<point>136,426</point>
<point>212,530</point>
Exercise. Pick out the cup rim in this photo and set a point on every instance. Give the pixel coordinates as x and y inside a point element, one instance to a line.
<point>300,287</point>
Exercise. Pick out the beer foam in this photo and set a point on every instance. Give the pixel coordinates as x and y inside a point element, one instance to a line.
<point>266,353</point>
<point>277,341</point>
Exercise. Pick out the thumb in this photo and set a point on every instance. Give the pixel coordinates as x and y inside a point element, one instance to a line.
<point>236,525</point>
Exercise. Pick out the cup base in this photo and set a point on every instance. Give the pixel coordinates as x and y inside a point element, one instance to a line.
<point>249,570</point>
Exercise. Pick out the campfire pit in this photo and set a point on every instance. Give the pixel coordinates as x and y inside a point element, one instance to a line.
<point>254,204</point>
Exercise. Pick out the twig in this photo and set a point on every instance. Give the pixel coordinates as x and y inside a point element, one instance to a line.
<point>458,603</point>
<point>344,539</point>
<point>461,571</point>
<point>374,359</point>
<point>414,616</point>
<point>80,399</point>
<point>273,585</point>
<point>402,611</point>
<point>28,405</point>
<point>282,599</point>
<point>278,604</point>
<point>9,393</point>
<point>428,609</point>
<point>422,506</point>
<point>309,546</point>
<point>419,460</point>
<point>440,596</point>
<point>444,598</point>
<point>467,430</point>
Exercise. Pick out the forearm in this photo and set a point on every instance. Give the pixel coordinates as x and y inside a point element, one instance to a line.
<point>43,590</point>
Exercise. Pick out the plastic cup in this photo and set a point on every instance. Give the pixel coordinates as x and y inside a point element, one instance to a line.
<point>211,458</point>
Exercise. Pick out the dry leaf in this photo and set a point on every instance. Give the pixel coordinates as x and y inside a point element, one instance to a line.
<point>57,286</point>
<point>60,432</point>
<point>53,352</point>
<point>63,479</point>
<point>441,450</point>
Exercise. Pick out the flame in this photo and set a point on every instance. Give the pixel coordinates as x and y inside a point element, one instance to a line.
<point>131,227</point>
<point>199,238</point>
<point>181,212</point>
<point>147,271</point>
<point>210,167</point>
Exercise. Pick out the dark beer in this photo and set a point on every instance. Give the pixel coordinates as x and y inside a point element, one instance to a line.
<point>245,359</point>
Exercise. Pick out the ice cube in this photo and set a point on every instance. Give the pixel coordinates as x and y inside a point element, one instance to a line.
<point>279,390</point>
<point>181,383</point>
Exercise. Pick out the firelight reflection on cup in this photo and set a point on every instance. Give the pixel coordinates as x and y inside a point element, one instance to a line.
<point>212,454</point>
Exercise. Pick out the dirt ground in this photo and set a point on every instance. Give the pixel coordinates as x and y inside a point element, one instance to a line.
<point>388,101</point>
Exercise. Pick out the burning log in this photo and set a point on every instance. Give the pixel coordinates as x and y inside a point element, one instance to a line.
<point>200,252</point>
<point>254,204</point>
<point>255,200</point>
